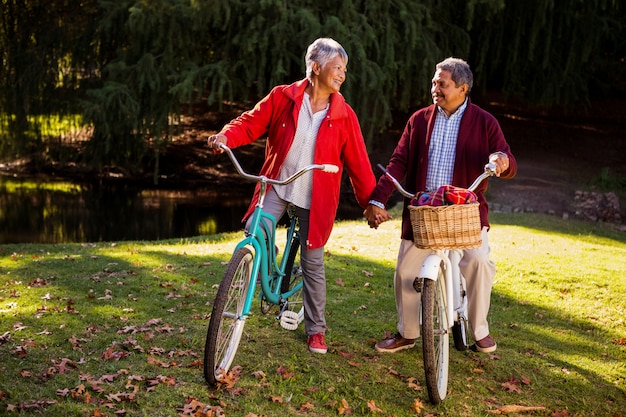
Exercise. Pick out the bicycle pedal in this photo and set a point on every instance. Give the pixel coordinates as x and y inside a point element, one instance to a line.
<point>289,320</point>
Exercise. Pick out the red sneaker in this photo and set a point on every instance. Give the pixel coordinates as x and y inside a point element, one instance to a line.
<point>317,344</point>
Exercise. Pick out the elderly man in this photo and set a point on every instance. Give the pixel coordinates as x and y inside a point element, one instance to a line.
<point>448,142</point>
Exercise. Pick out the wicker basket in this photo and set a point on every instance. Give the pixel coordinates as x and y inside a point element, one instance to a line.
<point>455,226</point>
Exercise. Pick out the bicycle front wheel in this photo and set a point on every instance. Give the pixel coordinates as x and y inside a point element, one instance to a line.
<point>435,338</point>
<point>227,319</point>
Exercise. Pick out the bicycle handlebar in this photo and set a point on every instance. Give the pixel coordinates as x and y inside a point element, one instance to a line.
<point>490,169</point>
<point>262,178</point>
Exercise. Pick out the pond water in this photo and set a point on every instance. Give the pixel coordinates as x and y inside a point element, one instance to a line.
<point>56,213</point>
<point>64,212</point>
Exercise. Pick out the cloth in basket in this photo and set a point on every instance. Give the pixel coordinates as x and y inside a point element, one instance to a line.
<point>446,195</point>
<point>446,219</point>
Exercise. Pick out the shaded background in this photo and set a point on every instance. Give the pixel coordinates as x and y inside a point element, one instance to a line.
<point>118,92</point>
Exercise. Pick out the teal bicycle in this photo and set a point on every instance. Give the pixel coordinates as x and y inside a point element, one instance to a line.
<point>255,261</point>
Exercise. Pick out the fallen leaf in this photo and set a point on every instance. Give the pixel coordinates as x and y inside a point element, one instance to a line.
<point>112,354</point>
<point>373,408</point>
<point>346,355</point>
<point>505,409</point>
<point>284,372</point>
<point>65,363</point>
<point>417,405</point>
<point>78,391</point>
<point>344,408</point>
<point>414,384</point>
<point>259,375</point>
<point>306,407</point>
<point>510,387</point>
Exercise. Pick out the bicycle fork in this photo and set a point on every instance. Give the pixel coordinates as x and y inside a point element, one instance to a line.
<point>456,303</point>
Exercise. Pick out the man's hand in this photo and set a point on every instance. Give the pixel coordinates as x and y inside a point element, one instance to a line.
<point>375,216</point>
<point>501,160</point>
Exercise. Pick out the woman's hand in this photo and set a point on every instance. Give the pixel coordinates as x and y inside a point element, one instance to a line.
<point>375,216</point>
<point>215,140</point>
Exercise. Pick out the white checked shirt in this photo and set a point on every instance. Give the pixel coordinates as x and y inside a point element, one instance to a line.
<point>301,154</point>
<point>442,151</point>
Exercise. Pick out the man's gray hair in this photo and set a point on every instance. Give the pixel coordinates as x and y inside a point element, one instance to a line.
<point>321,51</point>
<point>460,71</point>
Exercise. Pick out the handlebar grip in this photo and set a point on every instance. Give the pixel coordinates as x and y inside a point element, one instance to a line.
<point>330,168</point>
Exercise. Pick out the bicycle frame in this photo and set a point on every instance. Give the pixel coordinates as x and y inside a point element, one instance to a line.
<point>262,238</point>
<point>254,258</point>
<point>430,267</point>
<point>445,300</point>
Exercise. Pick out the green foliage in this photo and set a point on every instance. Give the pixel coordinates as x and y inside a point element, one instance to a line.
<point>550,53</point>
<point>133,64</point>
<point>607,181</point>
<point>153,49</point>
<point>44,61</point>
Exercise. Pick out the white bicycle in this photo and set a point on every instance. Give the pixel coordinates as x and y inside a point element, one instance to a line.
<point>440,280</point>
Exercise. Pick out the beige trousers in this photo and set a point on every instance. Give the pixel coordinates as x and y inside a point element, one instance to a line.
<point>475,266</point>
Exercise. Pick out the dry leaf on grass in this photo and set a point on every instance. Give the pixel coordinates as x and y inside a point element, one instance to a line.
<point>506,409</point>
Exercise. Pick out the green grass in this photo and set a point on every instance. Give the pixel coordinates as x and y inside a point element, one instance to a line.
<point>118,329</point>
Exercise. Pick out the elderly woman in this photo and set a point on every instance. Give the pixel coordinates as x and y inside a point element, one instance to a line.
<point>308,122</point>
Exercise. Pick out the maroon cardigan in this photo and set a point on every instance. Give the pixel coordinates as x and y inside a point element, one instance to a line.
<point>479,136</point>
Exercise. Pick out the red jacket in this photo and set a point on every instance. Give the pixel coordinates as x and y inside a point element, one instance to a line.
<point>479,136</point>
<point>339,141</point>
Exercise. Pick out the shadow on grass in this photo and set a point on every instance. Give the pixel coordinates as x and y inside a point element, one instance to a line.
<point>76,301</point>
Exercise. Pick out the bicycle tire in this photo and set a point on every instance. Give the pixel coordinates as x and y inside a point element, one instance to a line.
<point>226,323</point>
<point>435,339</point>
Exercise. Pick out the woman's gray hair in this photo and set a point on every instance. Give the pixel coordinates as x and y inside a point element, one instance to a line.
<point>321,51</point>
<point>460,71</point>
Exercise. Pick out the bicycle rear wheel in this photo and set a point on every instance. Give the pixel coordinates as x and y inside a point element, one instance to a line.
<point>227,322</point>
<point>435,338</point>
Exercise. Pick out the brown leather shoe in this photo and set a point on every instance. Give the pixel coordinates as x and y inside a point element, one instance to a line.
<point>394,344</point>
<point>485,345</point>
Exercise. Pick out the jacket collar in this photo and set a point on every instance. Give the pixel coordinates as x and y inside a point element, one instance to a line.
<point>337,108</point>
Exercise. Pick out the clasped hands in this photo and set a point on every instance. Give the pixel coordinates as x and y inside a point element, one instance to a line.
<point>375,216</point>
